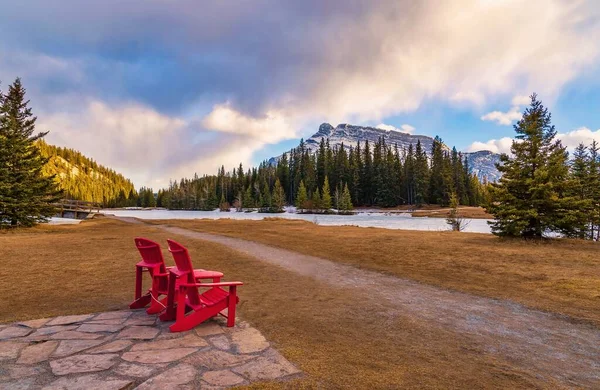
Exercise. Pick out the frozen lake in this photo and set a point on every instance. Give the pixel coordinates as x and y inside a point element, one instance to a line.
<point>363,219</point>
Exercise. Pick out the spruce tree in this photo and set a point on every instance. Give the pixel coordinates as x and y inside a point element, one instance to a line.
<point>26,195</point>
<point>315,201</point>
<point>278,199</point>
<point>302,197</point>
<point>326,196</point>
<point>529,199</point>
<point>345,202</point>
<point>581,194</point>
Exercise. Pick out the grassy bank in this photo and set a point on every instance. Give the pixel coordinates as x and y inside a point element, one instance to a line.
<point>558,276</point>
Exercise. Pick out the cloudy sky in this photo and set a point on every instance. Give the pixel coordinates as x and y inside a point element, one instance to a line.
<point>160,89</point>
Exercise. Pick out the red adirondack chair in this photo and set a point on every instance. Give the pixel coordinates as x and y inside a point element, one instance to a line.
<point>194,307</point>
<point>154,263</point>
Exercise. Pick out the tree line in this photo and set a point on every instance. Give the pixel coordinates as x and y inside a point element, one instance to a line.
<point>368,174</point>
<point>82,178</point>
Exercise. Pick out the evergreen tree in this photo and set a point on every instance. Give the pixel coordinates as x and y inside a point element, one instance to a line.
<point>421,175</point>
<point>345,202</point>
<point>302,197</point>
<point>529,198</point>
<point>315,201</point>
<point>593,185</point>
<point>278,200</point>
<point>581,194</point>
<point>326,196</point>
<point>26,195</point>
<point>248,201</point>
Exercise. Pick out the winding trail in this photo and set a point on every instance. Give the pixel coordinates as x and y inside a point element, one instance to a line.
<point>550,345</point>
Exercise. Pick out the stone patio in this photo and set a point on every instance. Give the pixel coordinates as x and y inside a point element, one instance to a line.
<point>132,350</point>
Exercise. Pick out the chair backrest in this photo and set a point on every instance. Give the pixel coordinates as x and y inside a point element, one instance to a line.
<point>183,262</point>
<point>151,253</point>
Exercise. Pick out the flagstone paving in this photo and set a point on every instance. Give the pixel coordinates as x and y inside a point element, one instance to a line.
<point>131,350</point>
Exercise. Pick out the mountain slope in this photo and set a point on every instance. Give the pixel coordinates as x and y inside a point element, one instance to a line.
<point>481,163</point>
<point>82,178</point>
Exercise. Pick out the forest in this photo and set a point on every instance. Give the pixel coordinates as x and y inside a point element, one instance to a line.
<point>371,175</point>
<point>81,178</point>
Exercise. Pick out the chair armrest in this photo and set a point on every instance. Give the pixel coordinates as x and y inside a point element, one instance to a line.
<point>221,284</point>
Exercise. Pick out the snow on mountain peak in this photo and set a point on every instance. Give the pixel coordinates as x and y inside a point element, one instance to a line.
<point>482,163</point>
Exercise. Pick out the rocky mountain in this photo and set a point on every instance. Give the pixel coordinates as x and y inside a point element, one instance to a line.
<point>481,163</point>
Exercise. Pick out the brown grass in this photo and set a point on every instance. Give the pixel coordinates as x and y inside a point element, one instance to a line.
<point>433,211</point>
<point>464,212</point>
<point>330,333</point>
<point>561,276</point>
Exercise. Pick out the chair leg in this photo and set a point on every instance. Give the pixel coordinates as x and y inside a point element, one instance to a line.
<point>139,300</point>
<point>169,313</point>
<point>232,301</point>
<point>138,282</point>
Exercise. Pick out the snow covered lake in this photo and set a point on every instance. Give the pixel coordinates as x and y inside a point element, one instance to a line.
<point>361,219</point>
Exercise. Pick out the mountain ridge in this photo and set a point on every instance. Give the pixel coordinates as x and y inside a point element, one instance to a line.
<point>481,163</point>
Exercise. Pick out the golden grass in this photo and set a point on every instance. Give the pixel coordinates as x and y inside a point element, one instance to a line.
<point>561,276</point>
<point>434,211</point>
<point>336,338</point>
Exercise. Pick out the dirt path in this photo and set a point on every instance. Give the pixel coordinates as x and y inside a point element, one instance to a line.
<point>550,345</point>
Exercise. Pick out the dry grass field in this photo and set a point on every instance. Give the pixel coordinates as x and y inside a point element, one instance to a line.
<point>338,340</point>
<point>561,276</point>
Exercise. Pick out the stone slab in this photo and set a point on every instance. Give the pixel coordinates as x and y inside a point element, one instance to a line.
<point>137,370</point>
<point>221,342</point>
<point>116,321</point>
<point>267,367</point>
<point>66,320</point>
<point>158,356</point>
<point>182,342</point>
<point>35,323</point>
<point>21,384</point>
<point>75,335</point>
<point>36,353</point>
<point>18,371</point>
<point>83,363</point>
<point>138,333</point>
<point>208,328</point>
<point>216,360</point>
<point>12,332</point>
<point>170,379</point>
<point>249,340</point>
<point>89,382</point>
<point>96,328</point>
<point>141,321</point>
<point>113,315</point>
<point>10,349</point>
<point>69,347</point>
<point>223,378</point>
<point>114,346</point>
<point>53,329</point>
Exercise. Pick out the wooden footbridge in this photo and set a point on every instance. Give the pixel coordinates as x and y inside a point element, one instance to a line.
<point>77,209</point>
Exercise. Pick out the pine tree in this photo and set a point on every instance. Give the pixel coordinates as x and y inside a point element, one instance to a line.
<point>580,193</point>
<point>302,197</point>
<point>26,195</point>
<point>593,184</point>
<point>326,196</point>
<point>345,202</point>
<point>248,201</point>
<point>529,199</point>
<point>315,201</point>
<point>278,200</point>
